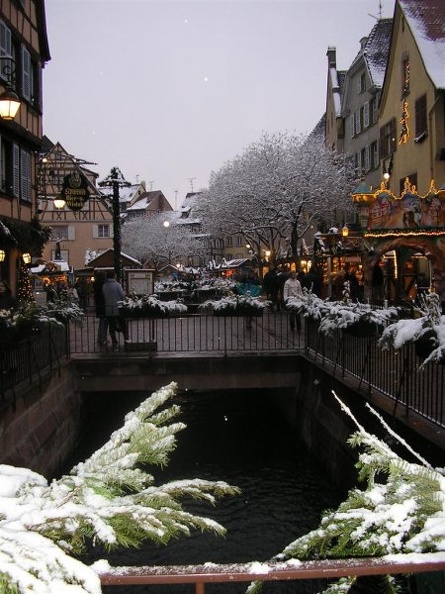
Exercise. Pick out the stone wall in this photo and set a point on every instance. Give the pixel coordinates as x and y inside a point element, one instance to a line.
<point>43,425</point>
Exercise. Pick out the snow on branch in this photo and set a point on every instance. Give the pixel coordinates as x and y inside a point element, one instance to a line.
<point>110,498</point>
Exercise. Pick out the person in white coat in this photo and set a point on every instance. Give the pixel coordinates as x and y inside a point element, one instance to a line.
<point>292,288</point>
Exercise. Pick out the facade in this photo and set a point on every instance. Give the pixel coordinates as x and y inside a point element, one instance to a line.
<point>24,51</point>
<point>78,234</point>
<point>412,109</point>
<point>360,105</point>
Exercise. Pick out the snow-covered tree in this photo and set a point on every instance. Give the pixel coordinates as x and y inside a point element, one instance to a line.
<point>276,190</point>
<point>149,240</point>
<point>110,498</point>
<point>400,509</point>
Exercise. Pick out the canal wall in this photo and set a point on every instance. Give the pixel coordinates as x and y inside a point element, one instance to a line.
<point>319,421</point>
<point>42,424</point>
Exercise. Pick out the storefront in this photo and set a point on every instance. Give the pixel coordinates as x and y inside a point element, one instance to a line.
<point>404,237</point>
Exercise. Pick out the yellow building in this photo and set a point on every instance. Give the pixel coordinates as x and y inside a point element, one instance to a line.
<point>412,108</point>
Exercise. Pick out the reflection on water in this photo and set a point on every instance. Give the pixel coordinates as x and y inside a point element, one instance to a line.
<point>239,437</point>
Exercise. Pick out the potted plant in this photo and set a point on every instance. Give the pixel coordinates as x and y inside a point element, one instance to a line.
<point>357,319</point>
<point>149,306</point>
<point>426,331</point>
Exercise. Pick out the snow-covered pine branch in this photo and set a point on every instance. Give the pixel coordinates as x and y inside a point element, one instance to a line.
<point>110,498</point>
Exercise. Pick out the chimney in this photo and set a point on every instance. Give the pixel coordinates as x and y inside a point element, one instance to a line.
<point>332,57</point>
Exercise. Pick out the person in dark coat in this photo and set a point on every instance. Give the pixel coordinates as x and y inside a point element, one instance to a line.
<point>271,286</point>
<point>311,281</point>
<point>99,304</point>
<point>113,293</point>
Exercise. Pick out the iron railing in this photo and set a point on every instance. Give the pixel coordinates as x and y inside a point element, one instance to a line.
<point>200,575</point>
<point>194,334</point>
<point>25,360</point>
<point>394,373</point>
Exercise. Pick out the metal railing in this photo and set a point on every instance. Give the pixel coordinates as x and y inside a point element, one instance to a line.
<point>193,334</point>
<point>394,373</point>
<point>200,575</point>
<point>25,360</point>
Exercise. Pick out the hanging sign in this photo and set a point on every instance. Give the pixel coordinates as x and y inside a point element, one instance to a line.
<point>75,190</point>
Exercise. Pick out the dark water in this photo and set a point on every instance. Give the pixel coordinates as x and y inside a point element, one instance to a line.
<point>239,437</point>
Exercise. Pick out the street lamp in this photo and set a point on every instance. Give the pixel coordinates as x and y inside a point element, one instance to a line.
<point>9,101</point>
<point>116,180</point>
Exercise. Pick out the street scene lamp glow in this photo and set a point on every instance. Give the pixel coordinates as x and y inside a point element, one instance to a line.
<point>166,224</point>
<point>26,258</point>
<point>2,255</point>
<point>59,203</point>
<point>9,105</point>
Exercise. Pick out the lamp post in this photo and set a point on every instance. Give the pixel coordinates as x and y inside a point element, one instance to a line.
<point>116,180</point>
<point>9,101</point>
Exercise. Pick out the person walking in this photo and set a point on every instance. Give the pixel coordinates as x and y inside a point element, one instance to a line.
<point>99,306</point>
<point>292,288</point>
<point>113,293</point>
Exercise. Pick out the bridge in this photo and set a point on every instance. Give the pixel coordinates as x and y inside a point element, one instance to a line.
<point>202,352</point>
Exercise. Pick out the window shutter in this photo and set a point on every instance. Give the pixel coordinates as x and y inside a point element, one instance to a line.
<point>16,170</point>
<point>5,50</point>
<point>71,233</point>
<point>352,124</point>
<point>367,163</point>
<point>95,231</point>
<point>26,73</point>
<point>25,175</point>
<point>357,121</point>
<point>366,114</point>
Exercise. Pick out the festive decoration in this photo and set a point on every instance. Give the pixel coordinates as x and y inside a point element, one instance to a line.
<point>405,132</point>
<point>24,287</point>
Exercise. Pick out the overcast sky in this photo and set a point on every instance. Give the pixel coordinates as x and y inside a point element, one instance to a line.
<point>170,90</point>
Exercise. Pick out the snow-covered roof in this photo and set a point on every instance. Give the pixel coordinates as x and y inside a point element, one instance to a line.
<point>426,20</point>
<point>91,262</point>
<point>54,265</point>
<point>375,50</point>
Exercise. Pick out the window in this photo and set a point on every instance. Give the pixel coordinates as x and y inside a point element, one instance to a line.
<point>405,78</point>
<point>374,110</point>
<point>239,241</point>
<point>6,49</point>
<point>361,84</point>
<point>103,230</point>
<point>421,119</point>
<point>63,255</point>
<point>366,158</point>
<point>59,232</point>
<point>388,139</point>
<point>366,114</point>
<point>229,241</point>
<point>352,125</point>
<point>357,121</point>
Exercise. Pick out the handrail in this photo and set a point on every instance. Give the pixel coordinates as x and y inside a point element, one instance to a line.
<point>272,571</point>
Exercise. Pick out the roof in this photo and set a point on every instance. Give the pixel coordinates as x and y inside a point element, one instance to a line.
<point>426,20</point>
<point>102,254</point>
<point>375,51</point>
<point>145,200</point>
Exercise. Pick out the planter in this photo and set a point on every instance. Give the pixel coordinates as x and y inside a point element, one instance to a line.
<point>135,347</point>
<point>138,313</point>
<point>238,313</point>
<point>362,328</point>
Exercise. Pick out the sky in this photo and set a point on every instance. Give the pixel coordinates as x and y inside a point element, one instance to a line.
<point>170,90</point>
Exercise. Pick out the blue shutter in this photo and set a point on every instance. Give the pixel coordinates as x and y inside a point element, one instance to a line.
<point>26,73</point>
<point>25,175</point>
<point>15,170</point>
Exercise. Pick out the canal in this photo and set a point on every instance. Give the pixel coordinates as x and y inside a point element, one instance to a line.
<point>242,438</point>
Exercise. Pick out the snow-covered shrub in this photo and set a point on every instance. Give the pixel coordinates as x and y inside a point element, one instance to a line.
<point>150,306</point>
<point>245,305</point>
<point>110,498</point>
